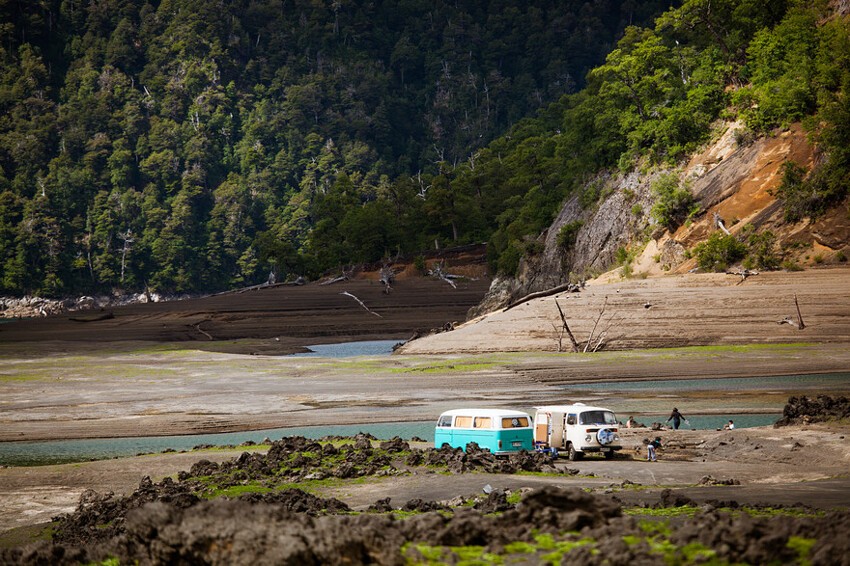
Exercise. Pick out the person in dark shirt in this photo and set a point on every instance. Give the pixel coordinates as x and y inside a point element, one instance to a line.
<point>676,417</point>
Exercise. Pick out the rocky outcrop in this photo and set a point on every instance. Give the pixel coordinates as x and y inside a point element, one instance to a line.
<point>805,410</point>
<point>732,179</point>
<point>27,307</point>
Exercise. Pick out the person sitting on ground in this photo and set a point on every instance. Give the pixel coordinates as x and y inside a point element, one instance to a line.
<point>631,423</point>
<point>729,426</point>
<point>676,417</point>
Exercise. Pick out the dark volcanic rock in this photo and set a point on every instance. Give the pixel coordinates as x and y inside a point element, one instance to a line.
<point>803,410</point>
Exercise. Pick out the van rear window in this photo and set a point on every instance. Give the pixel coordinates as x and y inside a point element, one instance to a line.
<point>483,422</point>
<point>514,422</point>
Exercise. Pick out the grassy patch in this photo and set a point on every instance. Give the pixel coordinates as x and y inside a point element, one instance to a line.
<point>682,511</point>
<point>545,547</point>
<point>25,535</point>
<point>448,367</point>
<point>803,548</point>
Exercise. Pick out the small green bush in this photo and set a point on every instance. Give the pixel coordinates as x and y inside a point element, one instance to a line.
<point>719,252</point>
<point>761,252</point>
<point>419,264</point>
<point>568,234</point>
<point>673,201</point>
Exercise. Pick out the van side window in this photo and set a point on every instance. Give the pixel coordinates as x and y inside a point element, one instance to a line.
<point>463,422</point>
<point>483,422</point>
<point>445,420</point>
<point>514,422</point>
<point>571,419</point>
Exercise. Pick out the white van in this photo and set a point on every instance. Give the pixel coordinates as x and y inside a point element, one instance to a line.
<point>577,429</point>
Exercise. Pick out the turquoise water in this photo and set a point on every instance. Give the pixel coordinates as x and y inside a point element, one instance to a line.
<point>66,451</point>
<point>350,349</point>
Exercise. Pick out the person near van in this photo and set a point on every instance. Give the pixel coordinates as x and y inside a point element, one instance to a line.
<point>729,426</point>
<point>676,417</point>
<point>651,447</point>
<point>631,423</point>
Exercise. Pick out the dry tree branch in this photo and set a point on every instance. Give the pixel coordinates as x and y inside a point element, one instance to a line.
<point>567,327</point>
<point>362,304</point>
<point>595,324</point>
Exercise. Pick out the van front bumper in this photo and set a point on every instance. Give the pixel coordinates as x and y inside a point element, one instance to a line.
<point>600,448</point>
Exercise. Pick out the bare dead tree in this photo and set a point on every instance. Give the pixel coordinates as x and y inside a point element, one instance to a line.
<point>128,239</point>
<point>595,324</point>
<point>438,272</point>
<point>594,340</point>
<point>362,304</point>
<point>387,277</point>
<point>567,327</point>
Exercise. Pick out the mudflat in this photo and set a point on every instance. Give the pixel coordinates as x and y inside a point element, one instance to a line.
<point>150,370</point>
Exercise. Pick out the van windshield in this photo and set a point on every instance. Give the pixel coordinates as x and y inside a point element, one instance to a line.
<point>597,417</point>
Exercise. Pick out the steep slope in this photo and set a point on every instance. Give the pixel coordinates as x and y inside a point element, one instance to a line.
<point>654,300</point>
<point>732,180</point>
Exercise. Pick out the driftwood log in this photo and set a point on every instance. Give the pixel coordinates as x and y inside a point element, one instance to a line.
<point>362,304</point>
<point>568,287</point>
<point>798,324</point>
<point>743,274</point>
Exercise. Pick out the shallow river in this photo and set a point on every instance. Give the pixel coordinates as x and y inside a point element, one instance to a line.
<point>54,452</point>
<point>64,451</point>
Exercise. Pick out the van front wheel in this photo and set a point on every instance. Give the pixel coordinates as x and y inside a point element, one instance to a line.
<point>572,454</point>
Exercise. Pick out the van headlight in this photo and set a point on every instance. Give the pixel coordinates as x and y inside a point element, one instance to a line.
<point>588,438</point>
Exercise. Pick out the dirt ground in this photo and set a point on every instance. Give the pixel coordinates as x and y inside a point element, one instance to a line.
<point>663,312</point>
<point>150,370</point>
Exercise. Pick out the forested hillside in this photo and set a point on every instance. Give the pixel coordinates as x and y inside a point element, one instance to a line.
<point>195,145</point>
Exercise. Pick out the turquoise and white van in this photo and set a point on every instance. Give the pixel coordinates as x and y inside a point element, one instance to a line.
<point>498,430</point>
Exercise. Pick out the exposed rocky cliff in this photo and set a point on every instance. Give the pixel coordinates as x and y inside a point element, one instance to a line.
<point>731,178</point>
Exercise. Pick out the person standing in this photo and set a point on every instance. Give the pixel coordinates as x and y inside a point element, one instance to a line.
<point>676,417</point>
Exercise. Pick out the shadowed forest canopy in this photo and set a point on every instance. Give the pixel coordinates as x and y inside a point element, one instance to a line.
<point>195,145</point>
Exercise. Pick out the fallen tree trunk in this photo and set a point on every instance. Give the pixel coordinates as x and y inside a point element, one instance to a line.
<point>571,287</point>
<point>362,304</point>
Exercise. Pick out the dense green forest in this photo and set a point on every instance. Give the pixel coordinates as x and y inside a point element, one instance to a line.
<point>189,145</point>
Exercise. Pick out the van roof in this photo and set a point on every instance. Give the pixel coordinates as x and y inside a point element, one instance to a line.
<point>486,413</point>
<point>570,408</point>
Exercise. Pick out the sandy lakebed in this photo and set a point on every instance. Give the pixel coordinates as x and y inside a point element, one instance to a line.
<point>54,387</point>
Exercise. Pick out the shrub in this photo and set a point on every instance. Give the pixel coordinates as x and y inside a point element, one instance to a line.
<point>719,252</point>
<point>673,203</point>
<point>419,264</point>
<point>761,253</point>
<point>808,196</point>
<point>568,234</point>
